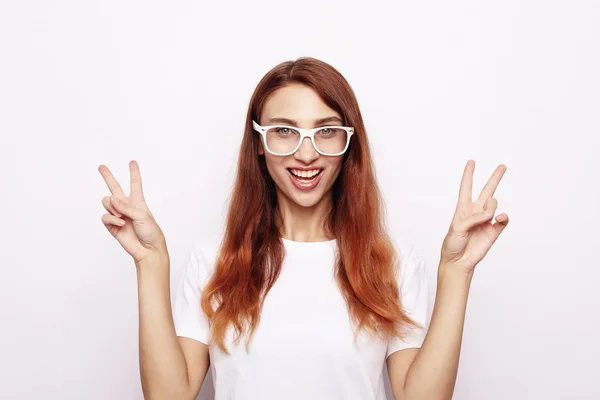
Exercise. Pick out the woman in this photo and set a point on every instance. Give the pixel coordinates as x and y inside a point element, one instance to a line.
<point>305,295</point>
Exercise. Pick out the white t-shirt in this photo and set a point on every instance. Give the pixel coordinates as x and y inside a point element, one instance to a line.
<point>303,347</point>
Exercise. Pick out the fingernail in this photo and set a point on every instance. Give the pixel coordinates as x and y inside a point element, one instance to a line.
<point>488,214</point>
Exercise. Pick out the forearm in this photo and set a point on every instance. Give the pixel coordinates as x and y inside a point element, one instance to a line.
<point>163,367</point>
<point>432,374</point>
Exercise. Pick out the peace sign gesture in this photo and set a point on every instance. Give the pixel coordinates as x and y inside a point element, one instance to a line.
<point>471,232</point>
<point>129,220</point>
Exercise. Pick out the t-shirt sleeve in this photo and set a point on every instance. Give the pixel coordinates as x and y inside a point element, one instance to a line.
<point>189,319</point>
<point>414,291</point>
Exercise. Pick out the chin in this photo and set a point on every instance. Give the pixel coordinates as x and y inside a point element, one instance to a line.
<point>302,199</point>
<point>307,200</point>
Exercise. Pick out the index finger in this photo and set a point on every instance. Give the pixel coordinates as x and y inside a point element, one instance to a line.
<point>111,182</point>
<point>135,183</point>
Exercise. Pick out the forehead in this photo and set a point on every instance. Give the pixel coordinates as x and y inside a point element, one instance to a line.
<point>296,102</point>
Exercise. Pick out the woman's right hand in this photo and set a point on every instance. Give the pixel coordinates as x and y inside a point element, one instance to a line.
<point>129,220</point>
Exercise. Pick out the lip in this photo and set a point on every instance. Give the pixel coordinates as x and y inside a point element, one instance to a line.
<point>303,186</point>
<point>305,168</point>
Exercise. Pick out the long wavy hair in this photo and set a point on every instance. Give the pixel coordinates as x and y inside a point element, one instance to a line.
<point>251,252</point>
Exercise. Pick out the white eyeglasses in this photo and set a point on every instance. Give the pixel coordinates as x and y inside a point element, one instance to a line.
<point>282,140</point>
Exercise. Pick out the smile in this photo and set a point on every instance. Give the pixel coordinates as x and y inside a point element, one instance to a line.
<point>305,174</point>
<point>305,180</point>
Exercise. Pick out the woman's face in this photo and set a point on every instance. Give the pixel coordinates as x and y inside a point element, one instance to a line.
<point>300,106</point>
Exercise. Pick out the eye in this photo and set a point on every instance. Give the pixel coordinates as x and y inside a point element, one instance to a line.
<point>283,131</point>
<point>328,131</point>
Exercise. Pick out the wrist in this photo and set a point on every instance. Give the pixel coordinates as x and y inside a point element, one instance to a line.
<point>154,260</point>
<point>454,274</point>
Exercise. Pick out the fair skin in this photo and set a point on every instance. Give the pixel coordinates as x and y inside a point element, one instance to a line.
<point>170,366</point>
<point>302,212</point>
<point>430,372</point>
<point>175,367</point>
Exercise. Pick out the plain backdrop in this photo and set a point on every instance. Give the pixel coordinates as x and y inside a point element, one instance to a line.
<point>168,84</point>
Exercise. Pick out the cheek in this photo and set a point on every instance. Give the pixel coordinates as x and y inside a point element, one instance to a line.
<point>336,167</point>
<point>274,167</point>
<point>335,170</point>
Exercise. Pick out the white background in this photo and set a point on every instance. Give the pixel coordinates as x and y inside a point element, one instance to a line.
<point>168,84</point>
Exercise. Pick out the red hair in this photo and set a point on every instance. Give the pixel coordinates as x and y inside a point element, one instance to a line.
<point>365,268</point>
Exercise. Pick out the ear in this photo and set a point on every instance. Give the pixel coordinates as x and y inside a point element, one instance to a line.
<point>261,150</point>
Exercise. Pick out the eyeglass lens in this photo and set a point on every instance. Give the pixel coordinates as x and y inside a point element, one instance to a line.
<point>328,140</point>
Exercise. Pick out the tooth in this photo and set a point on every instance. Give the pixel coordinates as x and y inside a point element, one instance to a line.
<point>305,174</point>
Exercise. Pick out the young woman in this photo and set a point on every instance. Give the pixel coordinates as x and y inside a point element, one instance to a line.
<point>306,294</point>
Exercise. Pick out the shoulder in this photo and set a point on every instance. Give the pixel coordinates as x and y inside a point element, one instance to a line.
<point>411,260</point>
<point>406,248</point>
<point>205,251</point>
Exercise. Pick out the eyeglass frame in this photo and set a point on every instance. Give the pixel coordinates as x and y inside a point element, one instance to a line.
<point>303,133</point>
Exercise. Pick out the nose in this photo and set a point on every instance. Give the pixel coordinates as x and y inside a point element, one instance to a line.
<point>307,152</point>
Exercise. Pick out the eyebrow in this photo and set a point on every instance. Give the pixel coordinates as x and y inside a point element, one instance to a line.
<point>319,121</point>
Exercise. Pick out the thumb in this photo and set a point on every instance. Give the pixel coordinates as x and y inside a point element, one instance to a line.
<point>127,209</point>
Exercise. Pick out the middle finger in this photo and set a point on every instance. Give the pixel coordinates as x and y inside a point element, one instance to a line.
<point>491,185</point>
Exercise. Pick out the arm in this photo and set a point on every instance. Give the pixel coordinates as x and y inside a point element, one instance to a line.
<point>170,367</point>
<point>430,372</point>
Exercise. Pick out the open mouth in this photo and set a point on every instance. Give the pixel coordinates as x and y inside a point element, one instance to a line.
<point>305,180</point>
<point>306,176</point>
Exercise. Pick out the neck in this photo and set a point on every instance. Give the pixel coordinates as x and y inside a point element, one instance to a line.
<point>304,224</point>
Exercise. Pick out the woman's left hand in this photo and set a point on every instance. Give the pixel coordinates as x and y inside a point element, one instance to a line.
<point>471,232</point>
